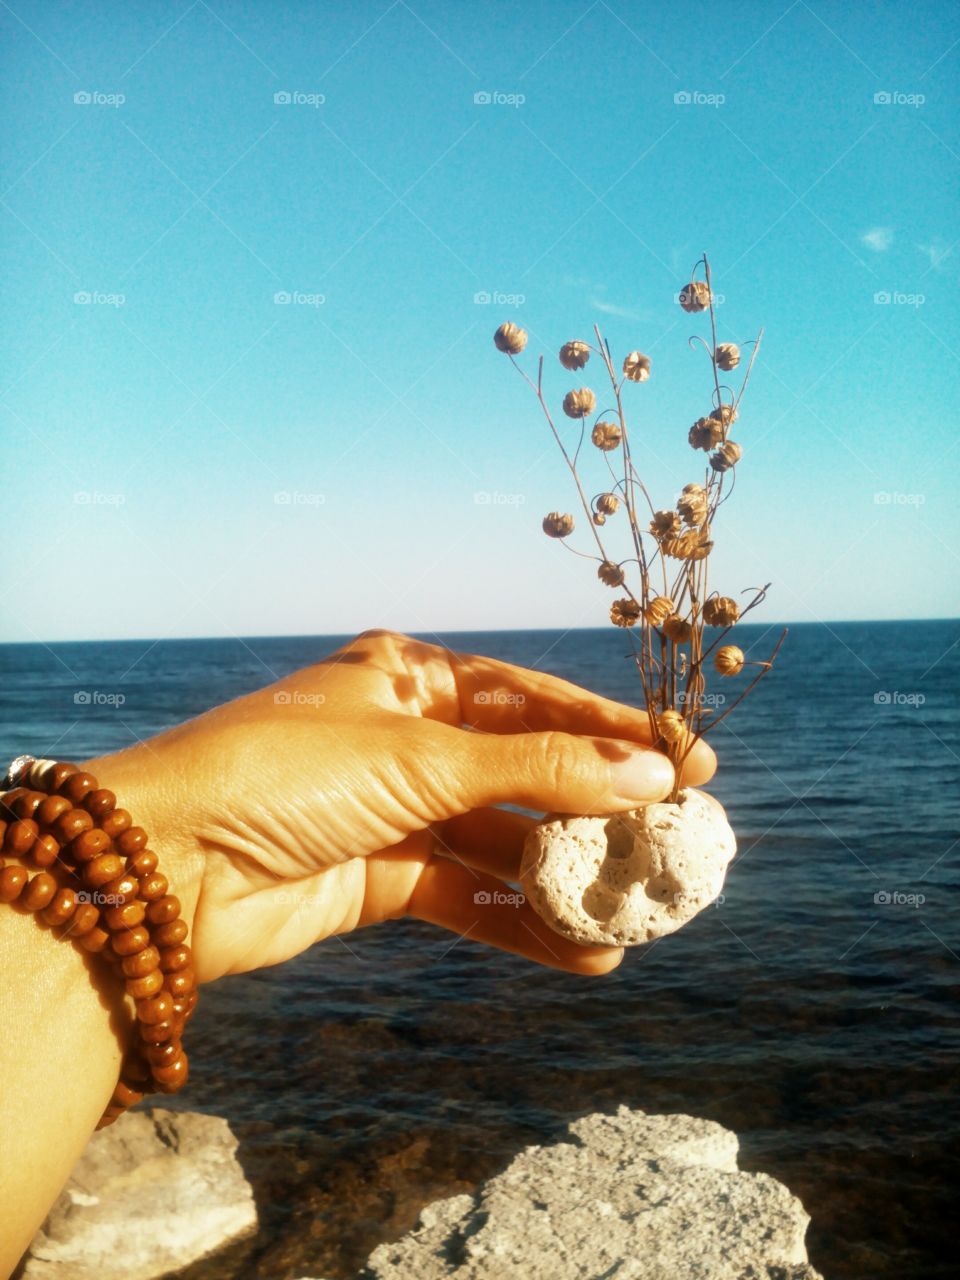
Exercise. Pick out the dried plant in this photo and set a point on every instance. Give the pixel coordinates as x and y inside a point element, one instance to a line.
<point>667,604</point>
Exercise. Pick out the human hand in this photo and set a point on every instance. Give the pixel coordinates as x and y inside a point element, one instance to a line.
<point>361,789</point>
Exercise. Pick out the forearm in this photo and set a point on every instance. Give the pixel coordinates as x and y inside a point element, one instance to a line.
<point>64,1033</point>
<point>66,1026</point>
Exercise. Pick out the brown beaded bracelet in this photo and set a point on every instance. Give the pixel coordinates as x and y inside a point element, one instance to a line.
<point>97,884</point>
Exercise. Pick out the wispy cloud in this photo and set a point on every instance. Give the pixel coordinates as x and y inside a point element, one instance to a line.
<point>937,252</point>
<point>878,238</point>
<point>611,309</point>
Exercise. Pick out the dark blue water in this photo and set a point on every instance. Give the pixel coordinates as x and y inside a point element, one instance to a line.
<point>814,1010</point>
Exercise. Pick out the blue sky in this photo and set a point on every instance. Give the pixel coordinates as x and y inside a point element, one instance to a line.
<point>151,427</point>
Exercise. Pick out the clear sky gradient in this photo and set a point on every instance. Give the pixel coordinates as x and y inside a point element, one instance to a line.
<point>150,169</point>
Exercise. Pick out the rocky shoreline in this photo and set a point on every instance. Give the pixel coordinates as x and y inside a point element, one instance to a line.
<point>630,1195</point>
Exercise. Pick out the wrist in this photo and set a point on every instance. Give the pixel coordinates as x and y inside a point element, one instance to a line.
<point>156,803</point>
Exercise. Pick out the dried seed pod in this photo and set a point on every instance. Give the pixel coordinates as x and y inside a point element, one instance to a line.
<point>665,524</point>
<point>636,367</point>
<point>510,338</point>
<point>694,296</point>
<point>727,456</point>
<point>599,518</point>
<point>692,505</point>
<point>725,415</point>
<point>728,356</point>
<point>677,629</point>
<point>574,355</point>
<point>720,611</point>
<point>557,525</point>
<point>608,503</point>
<point>611,574</point>
<point>692,544</point>
<point>578,404</point>
<point>671,726</point>
<point>606,436</point>
<point>705,433</point>
<point>658,610</point>
<point>729,660</point>
<point>624,613</point>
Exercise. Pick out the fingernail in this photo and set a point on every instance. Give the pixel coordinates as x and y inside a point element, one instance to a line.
<point>643,776</point>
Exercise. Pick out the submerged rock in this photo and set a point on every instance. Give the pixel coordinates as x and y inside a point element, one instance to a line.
<point>152,1193</point>
<point>631,1196</point>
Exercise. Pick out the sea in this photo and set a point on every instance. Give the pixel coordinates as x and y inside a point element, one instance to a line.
<point>813,1008</point>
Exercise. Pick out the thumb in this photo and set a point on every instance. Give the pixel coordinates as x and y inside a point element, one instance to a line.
<point>560,772</point>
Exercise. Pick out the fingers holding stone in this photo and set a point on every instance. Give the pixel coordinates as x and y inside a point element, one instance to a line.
<point>488,840</point>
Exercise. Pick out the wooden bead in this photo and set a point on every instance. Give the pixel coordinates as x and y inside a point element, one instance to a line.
<point>131,841</point>
<point>141,962</point>
<point>183,1009</point>
<point>153,886</point>
<point>164,910</point>
<point>51,809</point>
<point>58,775</point>
<point>161,1055</point>
<point>117,821</point>
<point>143,864</point>
<point>157,1009</point>
<point>12,881</point>
<point>20,837</point>
<point>129,941</point>
<point>104,868</point>
<point>174,958</point>
<point>84,919</point>
<point>77,786</point>
<point>3,830</point>
<point>135,1069</point>
<point>9,799</point>
<point>70,824</point>
<point>159,1032</point>
<point>168,935</point>
<point>26,805</point>
<point>40,892</point>
<point>95,939</point>
<point>124,1096</point>
<point>181,983</point>
<point>44,851</point>
<point>62,907</point>
<point>88,845</point>
<point>127,916</point>
<point>121,890</point>
<point>100,802</point>
<point>149,985</point>
<point>172,1077</point>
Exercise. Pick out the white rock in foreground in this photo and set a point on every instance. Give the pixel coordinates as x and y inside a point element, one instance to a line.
<point>633,1196</point>
<point>152,1193</point>
<point>626,879</point>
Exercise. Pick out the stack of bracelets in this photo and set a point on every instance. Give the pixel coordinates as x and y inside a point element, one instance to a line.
<point>97,884</point>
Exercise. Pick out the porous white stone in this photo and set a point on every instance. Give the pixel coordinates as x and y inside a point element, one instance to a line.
<point>627,878</point>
